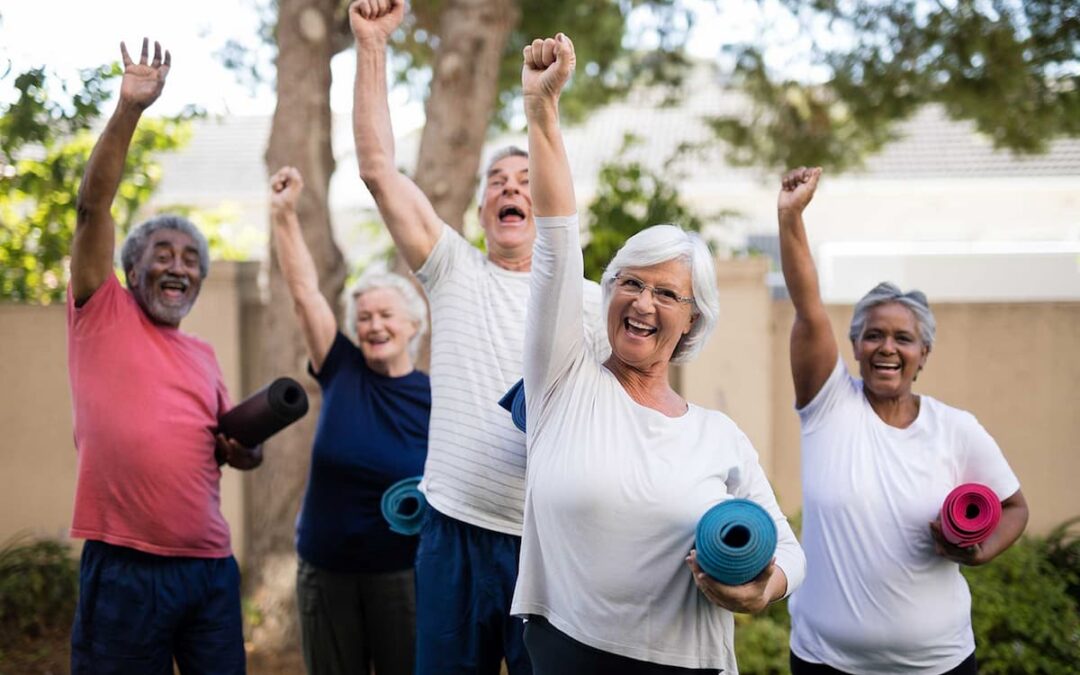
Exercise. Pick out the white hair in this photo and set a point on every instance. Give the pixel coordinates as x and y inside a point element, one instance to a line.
<point>415,306</point>
<point>887,292</point>
<point>659,244</point>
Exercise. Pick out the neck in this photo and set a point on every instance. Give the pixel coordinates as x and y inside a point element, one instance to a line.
<point>511,261</point>
<point>898,411</point>
<point>396,367</point>
<point>648,386</point>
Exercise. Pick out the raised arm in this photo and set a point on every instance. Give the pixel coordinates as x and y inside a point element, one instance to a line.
<point>94,242</point>
<point>315,314</point>
<point>405,209</point>
<point>554,334</point>
<point>813,345</point>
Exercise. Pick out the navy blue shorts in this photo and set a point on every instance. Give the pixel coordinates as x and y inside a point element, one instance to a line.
<point>138,611</point>
<point>465,578</point>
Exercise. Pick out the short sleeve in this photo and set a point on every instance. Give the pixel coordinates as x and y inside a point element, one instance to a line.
<point>833,393</point>
<point>339,352</point>
<point>109,306</point>
<point>446,256</point>
<point>982,461</point>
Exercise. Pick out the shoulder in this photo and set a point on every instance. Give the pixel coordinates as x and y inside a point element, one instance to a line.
<point>950,417</point>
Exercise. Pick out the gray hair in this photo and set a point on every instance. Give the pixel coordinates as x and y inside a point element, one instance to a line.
<point>659,244</point>
<point>138,239</point>
<point>887,292</point>
<point>415,306</point>
<point>496,157</point>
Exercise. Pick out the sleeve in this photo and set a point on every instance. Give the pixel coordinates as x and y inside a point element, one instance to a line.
<point>751,483</point>
<point>335,357</point>
<point>445,257</point>
<point>554,326</point>
<point>982,460</point>
<point>109,306</point>
<point>835,390</point>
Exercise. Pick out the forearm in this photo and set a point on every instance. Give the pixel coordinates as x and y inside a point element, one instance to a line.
<point>797,264</point>
<point>373,132</point>
<point>298,268</point>
<point>105,167</point>
<point>549,168</point>
<point>1014,517</point>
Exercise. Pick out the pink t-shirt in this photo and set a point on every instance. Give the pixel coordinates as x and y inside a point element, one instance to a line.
<point>145,400</point>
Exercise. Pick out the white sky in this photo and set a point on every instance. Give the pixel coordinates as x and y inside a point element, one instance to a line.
<point>67,35</point>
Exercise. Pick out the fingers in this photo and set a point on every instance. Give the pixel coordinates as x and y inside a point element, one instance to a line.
<point>156,63</point>
<point>145,51</point>
<point>286,177</point>
<point>167,64</point>
<point>548,52</point>
<point>125,58</point>
<point>811,178</point>
<point>374,9</point>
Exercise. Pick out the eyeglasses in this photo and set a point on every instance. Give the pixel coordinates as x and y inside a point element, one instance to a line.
<point>633,287</point>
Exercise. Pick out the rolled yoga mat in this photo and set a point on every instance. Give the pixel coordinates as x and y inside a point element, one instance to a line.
<point>514,401</point>
<point>403,506</point>
<point>735,541</point>
<point>266,412</point>
<point>969,514</point>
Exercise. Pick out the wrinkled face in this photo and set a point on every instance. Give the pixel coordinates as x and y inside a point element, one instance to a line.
<point>506,208</point>
<point>166,280</point>
<point>384,328</point>
<point>890,351</point>
<point>644,325</point>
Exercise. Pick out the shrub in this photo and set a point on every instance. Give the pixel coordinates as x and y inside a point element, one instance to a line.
<point>38,587</point>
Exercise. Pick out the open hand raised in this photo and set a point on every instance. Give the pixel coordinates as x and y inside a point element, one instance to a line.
<point>375,19</point>
<point>797,189</point>
<point>143,82</point>
<point>548,66</point>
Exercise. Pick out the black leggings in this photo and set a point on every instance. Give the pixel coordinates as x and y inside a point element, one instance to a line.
<point>800,667</point>
<point>553,652</point>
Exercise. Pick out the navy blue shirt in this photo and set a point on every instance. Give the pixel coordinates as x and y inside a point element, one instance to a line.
<point>372,432</point>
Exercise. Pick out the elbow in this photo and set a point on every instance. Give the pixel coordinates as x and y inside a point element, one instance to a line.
<point>376,177</point>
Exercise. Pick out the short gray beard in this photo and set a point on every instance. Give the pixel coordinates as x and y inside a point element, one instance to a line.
<point>156,310</point>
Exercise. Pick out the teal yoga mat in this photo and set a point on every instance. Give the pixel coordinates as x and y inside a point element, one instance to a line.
<point>403,506</point>
<point>735,541</point>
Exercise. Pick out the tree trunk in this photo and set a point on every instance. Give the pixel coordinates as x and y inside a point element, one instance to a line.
<point>300,137</point>
<point>464,82</point>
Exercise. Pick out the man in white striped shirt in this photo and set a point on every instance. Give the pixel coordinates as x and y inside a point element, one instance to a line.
<point>474,478</point>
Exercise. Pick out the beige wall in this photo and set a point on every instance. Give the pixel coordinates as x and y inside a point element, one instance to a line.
<point>1013,366</point>
<point>37,455</point>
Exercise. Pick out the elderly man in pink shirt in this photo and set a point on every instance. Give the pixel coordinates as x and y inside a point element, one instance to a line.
<point>158,581</point>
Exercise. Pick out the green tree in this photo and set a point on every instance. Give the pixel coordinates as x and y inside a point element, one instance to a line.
<point>44,146</point>
<point>1010,66</point>
<point>630,197</point>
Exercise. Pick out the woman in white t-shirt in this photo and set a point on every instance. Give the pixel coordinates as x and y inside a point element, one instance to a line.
<point>883,591</point>
<point>620,466</point>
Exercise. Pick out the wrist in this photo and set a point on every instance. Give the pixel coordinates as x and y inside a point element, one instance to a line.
<point>542,105</point>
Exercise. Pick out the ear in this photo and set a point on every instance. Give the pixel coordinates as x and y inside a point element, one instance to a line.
<point>690,326</point>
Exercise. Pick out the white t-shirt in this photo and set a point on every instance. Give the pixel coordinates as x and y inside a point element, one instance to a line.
<point>877,597</point>
<point>475,469</point>
<point>615,490</point>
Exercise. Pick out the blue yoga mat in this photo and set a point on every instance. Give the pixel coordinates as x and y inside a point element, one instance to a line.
<point>514,401</point>
<point>403,506</point>
<point>735,541</point>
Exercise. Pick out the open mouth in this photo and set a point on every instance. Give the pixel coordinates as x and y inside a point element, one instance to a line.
<point>173,288</point>
<point>511,214</point>
<point>638,328</point>
<point>886,367</point>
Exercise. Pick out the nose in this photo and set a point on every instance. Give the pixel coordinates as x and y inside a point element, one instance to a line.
<point>643,305</point>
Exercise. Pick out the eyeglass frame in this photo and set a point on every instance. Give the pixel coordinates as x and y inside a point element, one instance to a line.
<point>663,298</point>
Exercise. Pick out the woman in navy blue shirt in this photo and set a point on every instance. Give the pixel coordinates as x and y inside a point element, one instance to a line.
<point>355,581</point>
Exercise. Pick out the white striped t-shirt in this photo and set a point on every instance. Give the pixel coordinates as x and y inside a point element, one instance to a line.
<point>475,470</point>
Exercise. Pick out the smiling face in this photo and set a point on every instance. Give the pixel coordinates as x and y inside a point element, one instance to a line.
<point>166,279</point>
<point>890,350</point>
<point>506,209</point>
<point>383,330</point>
<point>643,332</point>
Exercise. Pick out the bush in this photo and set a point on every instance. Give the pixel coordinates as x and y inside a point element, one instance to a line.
<point>1024,619</point>
<point>38,588</point>
<point>1024,610</point>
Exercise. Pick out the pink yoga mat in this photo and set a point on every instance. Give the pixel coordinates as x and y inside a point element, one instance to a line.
<point>969,514</point>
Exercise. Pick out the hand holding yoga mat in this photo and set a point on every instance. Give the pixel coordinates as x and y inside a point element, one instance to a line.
<point>735,541</point>
<point>403,506</point>
<point>265,412</point>
<point>970,514</point>
<point>514,401</point>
